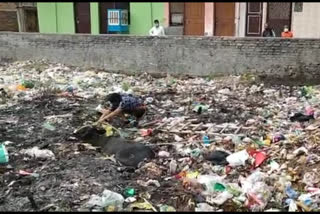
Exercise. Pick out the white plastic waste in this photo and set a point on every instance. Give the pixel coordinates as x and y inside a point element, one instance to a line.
<point>148,183</point>
<point>248,183</point>
<point>204,207</point>
<point>39,153</point>
<point>209,181</point>
<point>221,198</point>
<point>260,194</point>
<point>164,154</point>
<point>238,158</point>
<point>108,198</point>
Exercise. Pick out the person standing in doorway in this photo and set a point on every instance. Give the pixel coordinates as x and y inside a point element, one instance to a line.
<point>157,29</point>
<point>286,33</point>
<point>268,31</point>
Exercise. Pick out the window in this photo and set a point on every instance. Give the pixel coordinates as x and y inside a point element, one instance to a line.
<point>176,10</point>
<point>298,7</point>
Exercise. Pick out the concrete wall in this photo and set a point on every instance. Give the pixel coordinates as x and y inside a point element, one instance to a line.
<point>56,17</point>
<point>273,57</point>
<point>306,24</point>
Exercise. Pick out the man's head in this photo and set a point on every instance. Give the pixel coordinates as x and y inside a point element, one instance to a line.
<point>114,99</point>
<point>286,28</point>
<point>266,26</point>
<point>156,23</point>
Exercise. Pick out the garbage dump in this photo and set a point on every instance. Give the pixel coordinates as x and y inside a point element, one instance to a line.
<point>210,144</point>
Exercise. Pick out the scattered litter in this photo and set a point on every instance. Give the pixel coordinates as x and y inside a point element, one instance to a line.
<point>238,158</point>
<point>166,208</point>
<point>148,183</point>
<point>163,154</point>
<point>4,156</point>
<point>49,126</point>
<point>129,192</point>
<point>108,199</point>
<point>38,153</point>
<point>146,132</point>
<point>222,145</point>
<point>218,157</point>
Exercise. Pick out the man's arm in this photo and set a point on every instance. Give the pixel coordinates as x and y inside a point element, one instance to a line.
<point>162,31</point>
<point>111,115</point>
<point>105,112</point>
<point>151,31</point>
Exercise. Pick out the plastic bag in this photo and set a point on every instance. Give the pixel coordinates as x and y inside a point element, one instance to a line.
<point>204,207</point>
<point>238,158</point>
<point>210,182</point>
<point>248,183</point>
<point>291,193</point>
<point>107,199</point>
<point>38,153</point>
<point>221,198</point>
<point>258,196</point>
<point>166,208</point>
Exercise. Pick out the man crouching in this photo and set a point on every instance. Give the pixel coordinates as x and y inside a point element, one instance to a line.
<point>123,104</point>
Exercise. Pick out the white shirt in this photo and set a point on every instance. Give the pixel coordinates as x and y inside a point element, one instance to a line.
<point>156,31</point>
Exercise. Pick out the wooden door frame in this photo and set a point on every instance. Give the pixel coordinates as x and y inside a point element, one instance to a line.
<point>267,13</point>
<point>184,17</point>
<point>261,21</point>
<point>214,17</point>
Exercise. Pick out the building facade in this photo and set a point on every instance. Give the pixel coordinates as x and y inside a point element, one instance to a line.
<point>18,17</point>
<point>85,17</point>
<point>240,19</point>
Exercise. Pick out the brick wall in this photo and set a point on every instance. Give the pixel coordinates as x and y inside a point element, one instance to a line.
<point>268,57</point>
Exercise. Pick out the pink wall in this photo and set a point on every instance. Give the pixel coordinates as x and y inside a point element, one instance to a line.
<point>208,18</point>
<point>166,14</point>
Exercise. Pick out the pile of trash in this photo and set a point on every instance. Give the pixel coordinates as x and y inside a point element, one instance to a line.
<point>221,144</point>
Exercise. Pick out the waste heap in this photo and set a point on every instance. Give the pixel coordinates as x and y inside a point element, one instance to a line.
<point>222,144</point>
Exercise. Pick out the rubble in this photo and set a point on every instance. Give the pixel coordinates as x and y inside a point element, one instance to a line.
<point>222,144</point>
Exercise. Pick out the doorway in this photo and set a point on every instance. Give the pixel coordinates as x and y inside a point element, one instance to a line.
<point>279,15</point>
<point>194,19</point>
<point>82,17</point>
<point>31,16</point>
<point>254,18</point>
<point>224,18</point>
